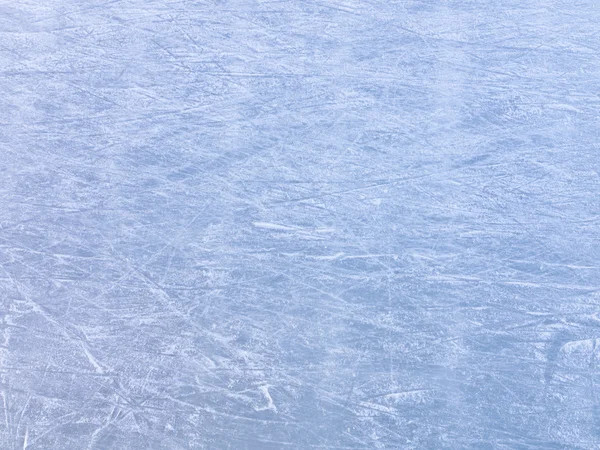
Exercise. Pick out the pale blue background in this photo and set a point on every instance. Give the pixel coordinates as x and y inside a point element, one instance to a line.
<point>299,224</point>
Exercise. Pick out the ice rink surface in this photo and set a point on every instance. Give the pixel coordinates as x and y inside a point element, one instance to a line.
<point>299,224</point>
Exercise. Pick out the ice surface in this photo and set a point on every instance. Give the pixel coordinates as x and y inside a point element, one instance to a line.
<point>299,224</point>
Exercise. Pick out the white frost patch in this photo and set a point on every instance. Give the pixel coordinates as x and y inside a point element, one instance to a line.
<point>93,361</point>
<point>328,257</point>
<point>563,107</point>
<point>270,405</point>
<point>301,230</point>
<point>274,226</point>
<point>343,256</point>
<point>406,395</point>
<point>583,346</point>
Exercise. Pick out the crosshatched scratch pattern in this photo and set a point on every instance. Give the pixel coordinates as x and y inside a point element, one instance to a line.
<point>304,224</point>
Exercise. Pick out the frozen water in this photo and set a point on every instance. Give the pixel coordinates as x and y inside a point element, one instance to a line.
<point>300,224</point>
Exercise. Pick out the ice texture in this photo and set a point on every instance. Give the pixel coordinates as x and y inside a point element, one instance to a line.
<point>303,224</point>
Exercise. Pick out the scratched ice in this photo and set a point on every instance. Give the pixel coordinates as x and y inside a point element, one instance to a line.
<point>304,224</point>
